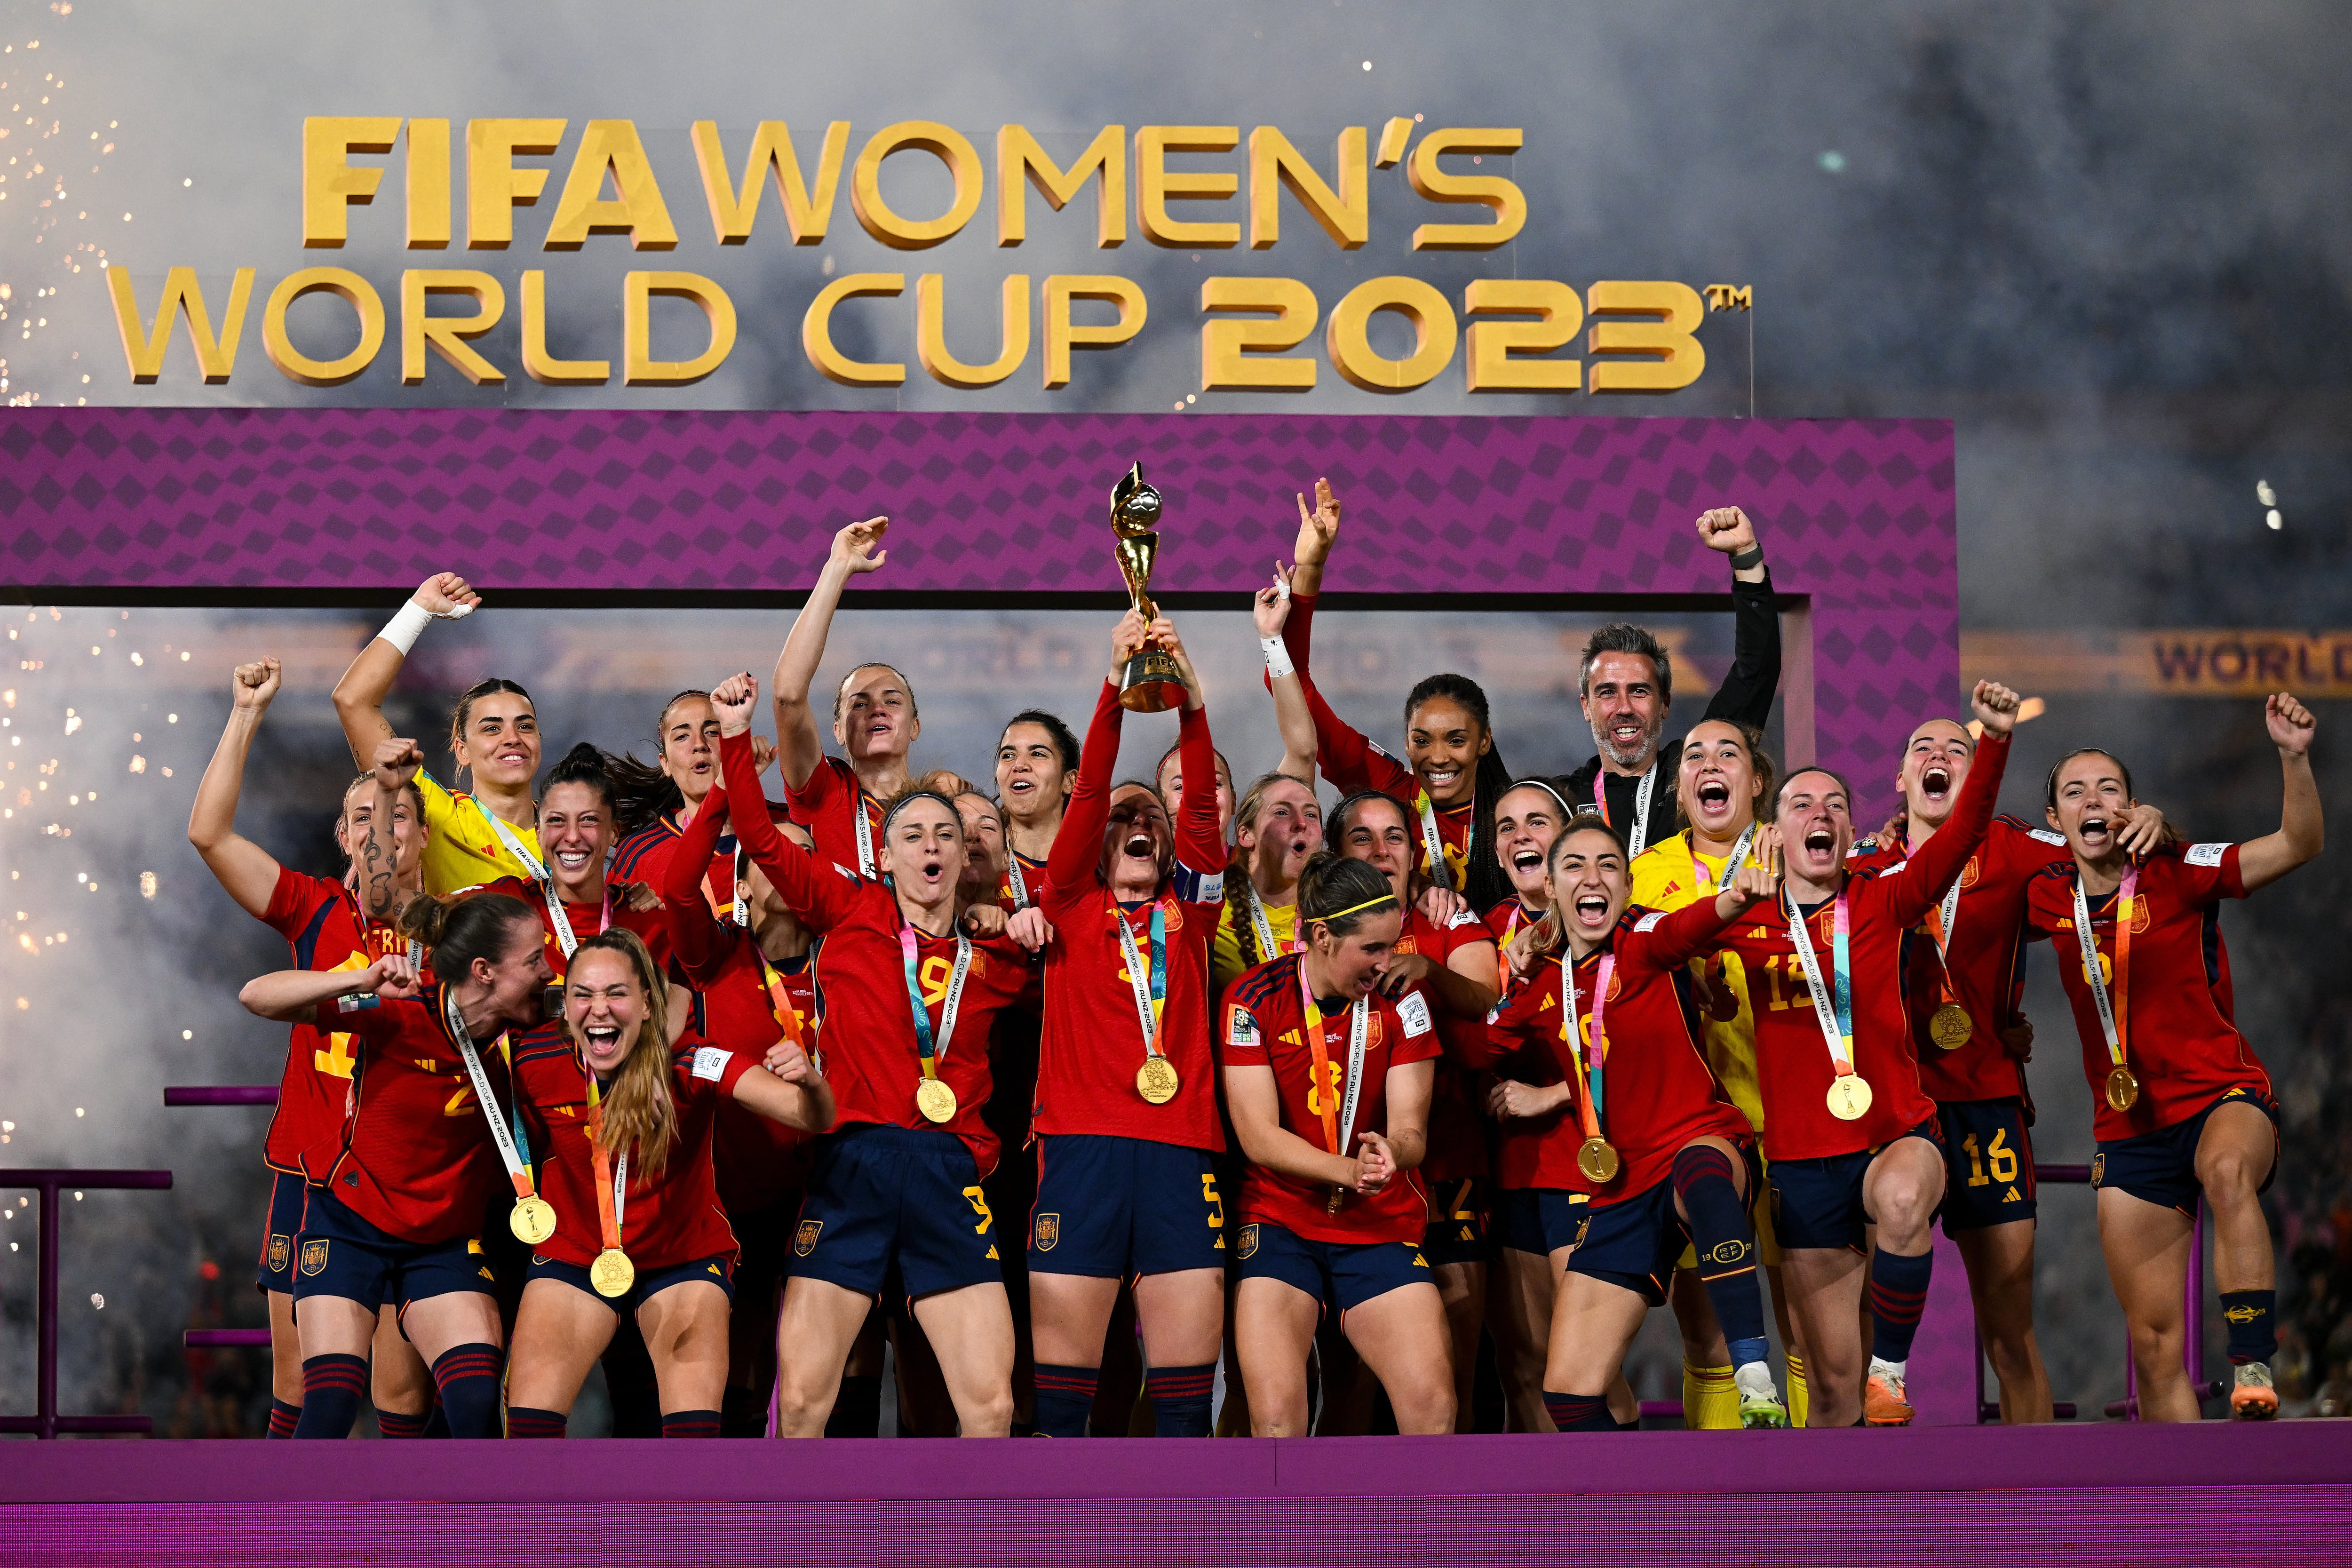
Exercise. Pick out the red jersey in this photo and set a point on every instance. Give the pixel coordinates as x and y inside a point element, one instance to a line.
<point>2175,1013</point>
<point>1031,874</point>
<point>1264,1024</point>
<point>1093,1042</point>
<point>672,1219</point>
<point>759,1161</point>
<point>587,920</point>
<point>1657,1092</point>
<point>831,806</point>
<point>416,1159</point>
<point>1986,974</point>
<point>1792,1059</point>
<point>1353,763</point>
<point>321,924</point>
<point>1525,1154</point>
<point>866,1025</point>
<point>1457,1128</point>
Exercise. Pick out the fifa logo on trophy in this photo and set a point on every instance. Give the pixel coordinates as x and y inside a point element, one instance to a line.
<point>1153,683</point>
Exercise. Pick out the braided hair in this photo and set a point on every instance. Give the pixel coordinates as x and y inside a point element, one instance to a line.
<point>1485,884</point>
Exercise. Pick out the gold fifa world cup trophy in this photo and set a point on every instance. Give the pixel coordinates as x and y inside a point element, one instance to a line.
<point>1153,683</point>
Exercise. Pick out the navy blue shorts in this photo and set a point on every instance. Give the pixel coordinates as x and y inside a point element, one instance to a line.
<point>1638,1241</point>
<point>289,1197</point>
<point>1334,1273</point>
<point>1457,1223</point>
<point>650,1282</point>
<point>1988,1163</point>
<point>1538,1220</point>
<point>1817,1202</point>
<point>2160,1167</point>
<point>882,1194</point>
<point>340,1254</point>
<point>1119,1208</point>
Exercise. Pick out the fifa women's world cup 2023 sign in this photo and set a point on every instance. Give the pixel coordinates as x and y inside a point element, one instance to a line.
<point>1181,186</point>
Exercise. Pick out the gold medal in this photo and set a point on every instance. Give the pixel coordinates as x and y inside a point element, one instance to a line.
<point>2123,1088</point>
<point>611,1273</point>
<point>935,1100</point>
<point>1156,1079</point>
<point>1950,1028</point>
<point>533,1220</point>
<point>1849,1098</point>
<point>1597,1160</point>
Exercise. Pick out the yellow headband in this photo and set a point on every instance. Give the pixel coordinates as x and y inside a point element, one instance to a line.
<point>1353,909</point>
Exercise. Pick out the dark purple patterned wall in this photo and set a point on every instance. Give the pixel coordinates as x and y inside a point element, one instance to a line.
<point>1856,514</point>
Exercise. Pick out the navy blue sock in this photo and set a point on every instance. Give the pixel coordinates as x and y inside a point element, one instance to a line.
<point>1180,1399</point>
<point>1724,1240</point>
<point>467,1377</point>
<point>437,1423</point>
<point>2253,1329</point>
<point>690,1423</point>
<point>393,1424</point>
<point>282,1417</point>
<point>1898,1293</point>
<point>524,1421</point>
<point>331,1386</point>
<point>1065,1397</point>
<point>1580,1412</point>
<point>857,1409</point>
<point>1633,1425</point>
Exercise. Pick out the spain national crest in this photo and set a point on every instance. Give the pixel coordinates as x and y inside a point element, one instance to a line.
<point>804,1241</point>
<point>281,1249</point>
<point>1249,1241</point>
<point>314,1258</point>
<point>1048,1230</point>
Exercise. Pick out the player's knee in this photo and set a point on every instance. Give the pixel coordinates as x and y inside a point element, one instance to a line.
<point>2228,1176</point>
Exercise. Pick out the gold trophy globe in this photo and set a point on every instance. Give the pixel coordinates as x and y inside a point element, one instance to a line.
<point>1153,683</point>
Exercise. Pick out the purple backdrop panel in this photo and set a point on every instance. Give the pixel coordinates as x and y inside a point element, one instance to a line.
<point>1857,515</point>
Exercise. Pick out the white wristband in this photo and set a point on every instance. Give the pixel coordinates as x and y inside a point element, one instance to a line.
<point>402,629</point>
<point>1277,658</point>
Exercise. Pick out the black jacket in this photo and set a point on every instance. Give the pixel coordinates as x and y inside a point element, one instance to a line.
<point>1744,697</point>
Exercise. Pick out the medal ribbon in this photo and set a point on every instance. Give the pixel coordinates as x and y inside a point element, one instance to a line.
<point>866,861</point>
<point>1837,1027</point>
<point>1946,916</point>
<point>1433,843</point>
<point>1730,866</point>
<point>1503,949</point>
<point>1640,834</point>
<point>933,1054</point>
<point>518,1172</point>
<point>1261,925</point>
<point>612,1176</point>
<point>1340,1121</point>
<point>1594,1053</point>
<point>787,1016</point>
<point>1151,988</point>
<point>2115,1019</point>
<point>1017,884</point>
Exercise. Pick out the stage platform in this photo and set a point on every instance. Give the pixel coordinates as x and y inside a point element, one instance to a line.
<point>2085,1495</point>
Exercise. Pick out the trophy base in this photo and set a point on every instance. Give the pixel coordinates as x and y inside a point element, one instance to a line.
<point>1153,683</point>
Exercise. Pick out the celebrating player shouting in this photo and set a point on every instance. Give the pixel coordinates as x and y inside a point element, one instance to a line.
<point>1852,1137</point>
<point>1127,1103</point>
<point>2184,1106</point>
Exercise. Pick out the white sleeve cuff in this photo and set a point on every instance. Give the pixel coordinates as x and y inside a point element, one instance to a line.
<point>402,629</point>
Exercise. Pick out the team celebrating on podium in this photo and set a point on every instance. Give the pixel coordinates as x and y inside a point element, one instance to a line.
<point>1310,1099</point>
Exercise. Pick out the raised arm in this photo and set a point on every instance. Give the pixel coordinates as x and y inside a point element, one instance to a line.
<point>1318,529</point>
<point>378,857</point>
<point>807,890</point>
<point>249,872</point>
<point>693,929</point>
<point>1276,609</point>
<point>1200,842</point>
<point>1746,694</point>
<point>2301,834</point>
<point>1924,876</point>
<point>799,739</point>
<point>360,694</point>
<point>1078,843</point>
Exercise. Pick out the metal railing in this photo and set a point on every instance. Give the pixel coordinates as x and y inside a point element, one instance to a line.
<point>45,1422</point>
<point>223,1094</point>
